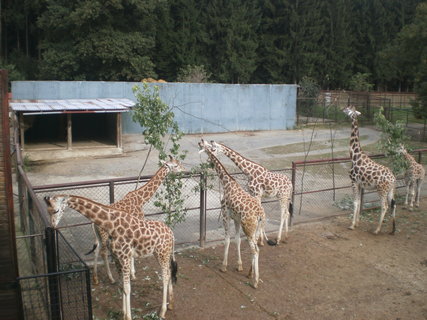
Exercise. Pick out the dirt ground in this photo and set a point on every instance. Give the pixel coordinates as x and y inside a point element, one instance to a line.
<point>324,271</point>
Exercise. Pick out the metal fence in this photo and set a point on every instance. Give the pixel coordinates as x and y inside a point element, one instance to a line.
<point>328,110</point>
<point>54,281</point>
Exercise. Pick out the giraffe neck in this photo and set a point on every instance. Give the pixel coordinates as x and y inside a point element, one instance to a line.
<point>355,148</point>
<point>147,190</point>
<point>99,214</point>
<point>225,178</point>
<point>247,166</point>
<point>410,158</point>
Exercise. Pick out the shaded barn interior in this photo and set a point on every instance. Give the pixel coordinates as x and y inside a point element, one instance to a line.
<point>51,129</point>
<point>69,128</point>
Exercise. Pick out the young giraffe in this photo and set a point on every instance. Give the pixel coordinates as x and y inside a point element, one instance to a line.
<point>263,182</point>
<point>414,176</point>
<point>366,173</point>
<point>131,203</point>
<point>245,210</point>
<point>130,235</point>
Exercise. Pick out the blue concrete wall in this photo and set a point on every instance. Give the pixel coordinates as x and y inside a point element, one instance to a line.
<point>199,107</point>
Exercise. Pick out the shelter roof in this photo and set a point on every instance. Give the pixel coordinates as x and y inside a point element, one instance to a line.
<point>71,106</point>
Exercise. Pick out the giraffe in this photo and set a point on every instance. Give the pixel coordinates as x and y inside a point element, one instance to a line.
<point>132,203</point>
<point>414,176</point>
<point>366,173</point>
<point>246,212</point>
<point>263,182</point>
<point>130,235</point>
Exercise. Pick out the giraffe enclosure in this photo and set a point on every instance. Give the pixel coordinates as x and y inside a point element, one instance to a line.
<point>324,271</point>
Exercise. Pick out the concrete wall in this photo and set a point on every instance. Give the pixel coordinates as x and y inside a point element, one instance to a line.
<point>200,108</point>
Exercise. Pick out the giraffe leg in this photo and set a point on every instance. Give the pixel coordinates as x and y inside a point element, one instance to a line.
<point>166,277</point>
<point>412,196</point>
<point>254,272</point>
<point>238,242</point>
<point>226,223</point>
<point>284,217</point>
<point>419,184</point>
<point>408,186</point>
<point>132,268</point>
<point>95,262</point>
<point>384,207</point>
<point>356,203</point>
<point>125,271</point>
<point>104,254</point>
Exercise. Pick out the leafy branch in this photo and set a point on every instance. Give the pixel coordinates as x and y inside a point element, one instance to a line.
<point>162,133</point>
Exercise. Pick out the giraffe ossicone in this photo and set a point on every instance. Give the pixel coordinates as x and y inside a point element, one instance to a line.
<point>130,235</point>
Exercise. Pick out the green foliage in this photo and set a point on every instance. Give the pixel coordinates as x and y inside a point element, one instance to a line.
<point>392,137</point>
<point>360,82</point>
<point>238,41</point>
<point>161,131</point>
<point>309,88</point>
<point>193,74</point>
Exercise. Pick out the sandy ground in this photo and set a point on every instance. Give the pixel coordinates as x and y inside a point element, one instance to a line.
<point>324,271</point>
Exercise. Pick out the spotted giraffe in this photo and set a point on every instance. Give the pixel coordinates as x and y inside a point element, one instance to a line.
<point>366,173</point>
<point>246,211</point>
<point>414,177</point>
<point>130,235</point>
<point>132,203</point>
<point>263,182</point>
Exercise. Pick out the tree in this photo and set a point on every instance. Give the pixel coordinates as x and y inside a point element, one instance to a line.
<point>97,40</point>
<point>232,27</point>
<point>157,120</point>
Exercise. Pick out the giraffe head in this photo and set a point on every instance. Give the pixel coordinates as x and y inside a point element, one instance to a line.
<point>401,149</point>
<point>216,148</point>
<point>55,207</point>
<point>203,146</point>
<point>352,112</point>
<point>172,165</point>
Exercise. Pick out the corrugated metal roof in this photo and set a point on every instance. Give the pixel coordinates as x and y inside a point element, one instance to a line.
<point>71,105</point>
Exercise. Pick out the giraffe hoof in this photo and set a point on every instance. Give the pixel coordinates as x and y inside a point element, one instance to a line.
<point>351,228</point>
<point>223,269</point>
<point>255,285</point>
<point>239,269</point>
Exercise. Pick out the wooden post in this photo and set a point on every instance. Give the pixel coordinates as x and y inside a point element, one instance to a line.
<point>119,130</point>
<point>21,130</point>
<point>69,132</point>
<point>10,301</point>
<point>203,195</point>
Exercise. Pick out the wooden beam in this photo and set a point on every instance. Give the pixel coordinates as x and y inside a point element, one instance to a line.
<point>21,130</point>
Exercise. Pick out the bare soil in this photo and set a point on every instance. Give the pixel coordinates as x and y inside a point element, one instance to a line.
<point>324,271</point>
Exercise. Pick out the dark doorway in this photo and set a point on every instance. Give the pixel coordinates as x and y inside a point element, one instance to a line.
<point>50,129</point>
<point>99,127</point>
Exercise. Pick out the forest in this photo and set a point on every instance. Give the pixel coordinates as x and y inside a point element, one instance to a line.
<point>226,41</point>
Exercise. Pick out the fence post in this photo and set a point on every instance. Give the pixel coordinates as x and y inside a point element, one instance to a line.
<point>52,267</point>
<point>111,190</point>
<point>203,194</point>
<point>294,169</point>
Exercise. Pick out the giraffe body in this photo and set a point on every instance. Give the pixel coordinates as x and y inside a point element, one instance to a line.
<point>262,182</point>
<point>366,173</point>
<point>130,235</point>
<point>414,177</point>
<point>132,203</point>
<point>245,210</point>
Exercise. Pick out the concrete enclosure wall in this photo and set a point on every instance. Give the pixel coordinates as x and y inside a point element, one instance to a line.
<point>198,107</point>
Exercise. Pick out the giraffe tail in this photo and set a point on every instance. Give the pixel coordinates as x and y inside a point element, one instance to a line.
<point>393,212</point>
<point>95,245</point>
<point>174,269</point>
<point>291,209</point>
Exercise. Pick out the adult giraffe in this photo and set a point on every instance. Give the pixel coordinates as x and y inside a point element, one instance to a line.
<point>262,182</point>
<point>366,173</point>
<point>130,235</point>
